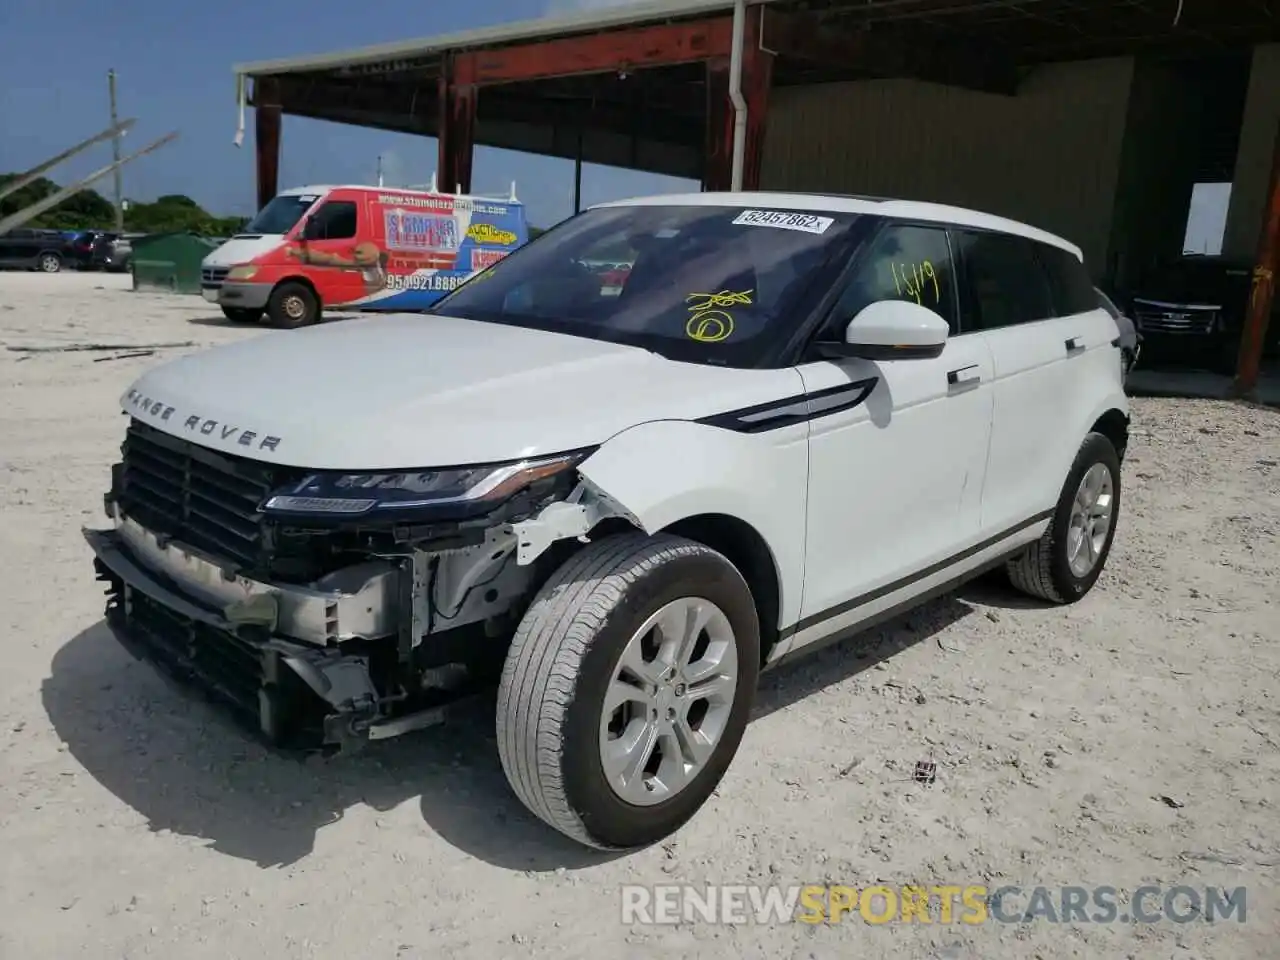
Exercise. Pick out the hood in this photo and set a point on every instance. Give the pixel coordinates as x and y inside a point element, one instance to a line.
<point>415,391</point>
<point>243,249</point>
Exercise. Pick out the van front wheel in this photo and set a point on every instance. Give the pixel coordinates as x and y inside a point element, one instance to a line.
<point>293,305</point>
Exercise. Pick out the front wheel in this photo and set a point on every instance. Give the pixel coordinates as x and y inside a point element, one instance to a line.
<point>293,305</point>
<point>242,314</point>
<point>1063,565</point>
<point>627,689</point>
<point>50,263</point>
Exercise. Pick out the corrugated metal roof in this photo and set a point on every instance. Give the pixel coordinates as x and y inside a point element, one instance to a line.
<point>587,21</point>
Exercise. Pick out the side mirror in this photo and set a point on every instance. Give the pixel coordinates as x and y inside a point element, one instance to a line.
<point>891,330</point>
<point>312,229</point>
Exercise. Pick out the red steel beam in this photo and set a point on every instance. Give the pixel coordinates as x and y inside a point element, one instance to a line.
<point>1262,295</point>
<point>656,46</point>
<point>266,137</point>
<point>457,123</point>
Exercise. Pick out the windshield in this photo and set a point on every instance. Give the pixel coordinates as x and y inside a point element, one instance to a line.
<point>281,214</point>
<point>709,284</point>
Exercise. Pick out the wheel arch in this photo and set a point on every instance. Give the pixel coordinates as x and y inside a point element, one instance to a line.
<point>743,495</point>
<point>744,547</point>
<point>297,278</point>
<point>1114,425</point>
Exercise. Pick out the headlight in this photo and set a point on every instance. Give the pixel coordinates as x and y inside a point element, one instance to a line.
<point>476,488</point>
<point>246,272</point>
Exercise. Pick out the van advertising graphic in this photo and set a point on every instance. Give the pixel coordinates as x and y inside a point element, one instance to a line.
<point>432,251</point>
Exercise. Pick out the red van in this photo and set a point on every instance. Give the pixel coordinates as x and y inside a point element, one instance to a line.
<point>357,248</point>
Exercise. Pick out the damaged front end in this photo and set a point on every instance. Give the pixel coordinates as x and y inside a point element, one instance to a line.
<point>326,610</point>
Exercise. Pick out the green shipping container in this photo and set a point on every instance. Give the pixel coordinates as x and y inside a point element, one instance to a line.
<point>170,261</point>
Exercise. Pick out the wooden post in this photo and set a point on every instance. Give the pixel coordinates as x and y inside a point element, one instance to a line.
<point>1262,294</point>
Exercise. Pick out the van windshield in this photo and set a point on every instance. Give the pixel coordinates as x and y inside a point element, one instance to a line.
<point>701,283</point>
<point>281,214</point>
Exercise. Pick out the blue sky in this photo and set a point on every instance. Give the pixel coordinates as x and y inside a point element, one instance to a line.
<point>173,63</point>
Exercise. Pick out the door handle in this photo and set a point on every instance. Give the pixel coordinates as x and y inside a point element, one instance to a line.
<point>963,376</point>
<point>1075,345</point>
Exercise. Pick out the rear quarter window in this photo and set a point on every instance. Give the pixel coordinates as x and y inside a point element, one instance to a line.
<point>1072,287</point>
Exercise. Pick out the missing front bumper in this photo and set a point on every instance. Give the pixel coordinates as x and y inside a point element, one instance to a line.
<point>293,695</point>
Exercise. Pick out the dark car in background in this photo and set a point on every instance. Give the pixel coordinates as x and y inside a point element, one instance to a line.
<point>83,246</point>
<point>99,250</point>
<point>118,254</point>
<point>29,249</point>
<point>1191,312</point>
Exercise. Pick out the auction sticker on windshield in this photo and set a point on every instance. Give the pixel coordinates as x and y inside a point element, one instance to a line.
<point>784,221</point>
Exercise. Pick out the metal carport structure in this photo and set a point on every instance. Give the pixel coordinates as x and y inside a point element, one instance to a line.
<point>649,87</point>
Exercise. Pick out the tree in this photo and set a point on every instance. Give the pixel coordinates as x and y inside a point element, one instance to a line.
<point>89,210</point>
<point>83,210</point>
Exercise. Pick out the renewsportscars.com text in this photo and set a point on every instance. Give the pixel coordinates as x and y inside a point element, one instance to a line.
<point>972,904</point>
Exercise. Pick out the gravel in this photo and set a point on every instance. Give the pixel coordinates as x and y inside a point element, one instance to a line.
<point>1131,739</point>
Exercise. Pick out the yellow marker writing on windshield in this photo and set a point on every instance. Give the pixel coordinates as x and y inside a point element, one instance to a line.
<point>711,321</point>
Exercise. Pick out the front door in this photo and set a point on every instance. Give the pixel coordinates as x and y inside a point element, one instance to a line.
<point>895,482</point>
<point>344,264</point>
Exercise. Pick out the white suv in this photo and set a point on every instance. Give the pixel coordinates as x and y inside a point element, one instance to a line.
<point>796,417</point>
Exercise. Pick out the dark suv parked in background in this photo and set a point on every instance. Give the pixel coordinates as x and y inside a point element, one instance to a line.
<point>43,250</point>
<point>1191,312</point>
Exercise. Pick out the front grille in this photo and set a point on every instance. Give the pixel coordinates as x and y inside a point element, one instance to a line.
<point>1193,322</point>
<point>225,666</point>
<point>235,672</point>
<point>213,276</point>
<point>199,497</point>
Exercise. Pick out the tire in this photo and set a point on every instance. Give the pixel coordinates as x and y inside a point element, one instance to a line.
<point>1044,570</point>
<point>242,314</point>
<point>49,263</point>
<point>292,305</point>
<point>563,659</point>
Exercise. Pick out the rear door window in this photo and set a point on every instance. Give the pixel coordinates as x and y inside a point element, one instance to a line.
<point>1005,284</point>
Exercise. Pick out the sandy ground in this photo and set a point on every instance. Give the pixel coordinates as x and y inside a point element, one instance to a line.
<point>1132,739</point>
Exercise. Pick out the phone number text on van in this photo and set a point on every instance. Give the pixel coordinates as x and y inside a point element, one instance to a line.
<point>416,281</point>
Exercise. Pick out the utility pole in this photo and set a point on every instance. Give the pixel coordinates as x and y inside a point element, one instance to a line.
<point>115,154</point>
<point>379,169</point>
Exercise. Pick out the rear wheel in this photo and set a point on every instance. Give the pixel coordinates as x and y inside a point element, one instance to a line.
<point>627,689</point>
<point>242,314</point>
<point>293,305</point>
<point>1063,565</point>
<point>49,263</point>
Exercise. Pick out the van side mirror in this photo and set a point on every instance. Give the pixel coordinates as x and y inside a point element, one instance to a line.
<point>313,229</point>
<point>891,330</point>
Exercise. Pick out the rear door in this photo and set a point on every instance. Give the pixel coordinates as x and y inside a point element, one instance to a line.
<point>1007,296</point>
